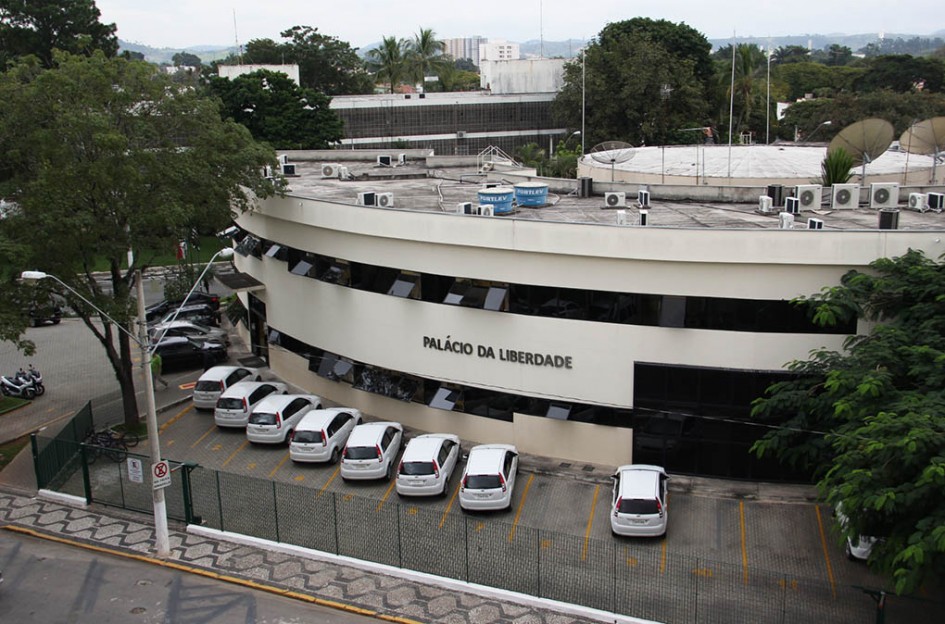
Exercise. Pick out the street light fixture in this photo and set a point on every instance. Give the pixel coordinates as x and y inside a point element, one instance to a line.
<point>161,538</point>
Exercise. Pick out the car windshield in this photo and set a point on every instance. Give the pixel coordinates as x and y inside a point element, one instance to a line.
<point>638,506</point>
<point>307,437</point>
<point>416,468</point>
<point>263,418</point>
<point>483,482</point>
<point>207,385</point>
<point>230,404</point>
<point>361,452</point>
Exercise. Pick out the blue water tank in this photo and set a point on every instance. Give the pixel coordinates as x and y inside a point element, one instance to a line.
<point>532,194</point>
<point>500,196</point>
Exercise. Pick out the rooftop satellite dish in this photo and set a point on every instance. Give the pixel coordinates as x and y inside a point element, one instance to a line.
<point>925,137</point>
<point>611,153</point>
<point>864,140</point>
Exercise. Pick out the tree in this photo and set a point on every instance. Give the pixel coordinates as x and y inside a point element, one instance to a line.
<point>388,62</point>
<point>40,26</point>
<point>453,78</point>
<point>636,89</point>
<point>278,111</point>
<point>186,59</point>
<point>425,55</point>
<point>105,155</point>
<point>790,54</point>
<point>902,73</point>
<point>838,55</point>
<point>870,420</point>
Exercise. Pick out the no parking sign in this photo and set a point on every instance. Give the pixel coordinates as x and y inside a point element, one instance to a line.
<point>160,474</point>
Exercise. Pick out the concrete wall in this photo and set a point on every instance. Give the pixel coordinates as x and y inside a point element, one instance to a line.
<point>522,76</point>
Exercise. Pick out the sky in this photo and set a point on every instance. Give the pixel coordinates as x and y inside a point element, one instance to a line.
<point>185,23</point>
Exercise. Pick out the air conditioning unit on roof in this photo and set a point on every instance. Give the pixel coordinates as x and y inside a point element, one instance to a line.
<point>765,204</point>
<point>612,199</point>
<point>385,200</point>
<point>917,202</point>
<point>366,198</point>
<point>810,195</point>
<point>844,196</point>
<point>643,198</point>
<point>621,217</point>
<point>288,169</point>
<point>401,159</point>
<point>486,210</point>
<point>384,160</point>
<point>792,205</point>
<point>884,195</point>
<point>935,201</point>
<point>330,170</point>
<point>464,207</point>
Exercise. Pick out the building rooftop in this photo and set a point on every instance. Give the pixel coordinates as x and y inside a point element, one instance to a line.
<point>416,187</point>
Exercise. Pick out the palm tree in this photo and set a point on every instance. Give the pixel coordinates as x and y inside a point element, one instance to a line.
<point>750,61</point>
<point>425,54</point>
<point>389,61</point>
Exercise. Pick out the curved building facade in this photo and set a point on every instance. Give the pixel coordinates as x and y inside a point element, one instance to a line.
<point>585,341</point>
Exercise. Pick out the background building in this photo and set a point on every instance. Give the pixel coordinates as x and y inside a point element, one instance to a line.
<point>465,48</point>
<point>499,50</point>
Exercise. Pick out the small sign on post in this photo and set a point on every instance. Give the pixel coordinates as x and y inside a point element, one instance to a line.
<point>160,474</point>
<point>135,470</point>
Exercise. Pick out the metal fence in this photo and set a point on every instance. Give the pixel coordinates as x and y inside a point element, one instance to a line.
<point>637,578</point>
<point>54,459</point>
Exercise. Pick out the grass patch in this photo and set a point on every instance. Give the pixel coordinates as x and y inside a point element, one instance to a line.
<point>11,449</point>
<point>209,245</point>
<point>8,404</point>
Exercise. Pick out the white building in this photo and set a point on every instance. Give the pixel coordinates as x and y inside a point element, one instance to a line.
<point>522,76</point>
<point>498,50</point>
<point>464,47</point>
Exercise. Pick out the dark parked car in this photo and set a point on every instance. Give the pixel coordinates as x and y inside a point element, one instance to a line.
<point>40,314</point>
<point>200,313</point>
<point>160,309</point>
<point>184,353</point>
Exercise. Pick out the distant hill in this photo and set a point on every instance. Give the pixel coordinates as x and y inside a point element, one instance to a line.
<point>164,55</point>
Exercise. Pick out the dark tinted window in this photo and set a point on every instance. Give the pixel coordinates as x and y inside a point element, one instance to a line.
<point>306,437</point>
<point>416,468</point>
<point>260,393</point>
<point>483,482</point>
<point>207,386</point>
<point>230,404</point>
<point>263,418</point>
<point>361,452</point>
<point>638,506</point>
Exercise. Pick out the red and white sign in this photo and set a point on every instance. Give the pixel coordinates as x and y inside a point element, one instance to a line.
<point>160,475</point>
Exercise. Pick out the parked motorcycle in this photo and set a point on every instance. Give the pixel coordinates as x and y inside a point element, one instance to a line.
<point>16,387</point>
<point>35,376</point>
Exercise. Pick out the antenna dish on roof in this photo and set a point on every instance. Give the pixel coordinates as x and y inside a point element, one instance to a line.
<point>611,153</point>
<point>925,137</point>
<point>865,141</point>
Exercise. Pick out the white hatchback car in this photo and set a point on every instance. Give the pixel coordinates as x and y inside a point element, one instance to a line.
<point>371,451</point>
<point>322,433</point>
<point>237,402</point>
<point>639,503</point>
<point>274,420</point>
<point>427,464</point>
<point>489,478</point>
<point>216,380</point>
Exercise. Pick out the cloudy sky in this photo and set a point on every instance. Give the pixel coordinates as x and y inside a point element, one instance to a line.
<point>183,23</point>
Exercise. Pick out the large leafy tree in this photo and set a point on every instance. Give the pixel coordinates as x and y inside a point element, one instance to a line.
<point>103,155</point>
<point>278,111</point>
<point>326,63</point>
<point>38,27</point>
<point>425,55</point>
<point>870,420</point>
<point>902,73</point>
<point>388,62</point>
<point>637,88</point>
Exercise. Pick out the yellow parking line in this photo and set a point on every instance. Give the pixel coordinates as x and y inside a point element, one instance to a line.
<point>279,465</point>
<point>521,504</point>
<point>330,479</point>
<point>176,417</point>
<point>823,544</point>
<point>663,557</point>
<point>449,506</point>
<point>390,489</point>
<point>233,454</point>
<point>741,514</point>
<point>590,521</point>
<point>212,428</point>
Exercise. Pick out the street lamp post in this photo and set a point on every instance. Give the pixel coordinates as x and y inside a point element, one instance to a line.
<point>161,537</point>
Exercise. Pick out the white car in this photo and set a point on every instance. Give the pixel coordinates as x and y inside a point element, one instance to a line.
<point>489,478</point>
<point>427,464</point>
<point>322,433</point>
<point>274,420</point>
<point>639,506</point>
<point>216,380</point>
<point>371,451</point>
<point>237,402</point>
<point>860,547</point>
<point>190,329</point>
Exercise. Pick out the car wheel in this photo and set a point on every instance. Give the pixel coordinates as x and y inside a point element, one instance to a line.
<point>334,456</point>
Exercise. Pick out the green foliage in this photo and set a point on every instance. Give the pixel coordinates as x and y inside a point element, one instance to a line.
<point>837,167</point>
<point>424,55</point>
<point>801,78</point>
<point>870,420</point>
<point>388,62</point>
<point>902,73</point>
<point>186,59</point>
<point>790,54</point>
<point>39,27</point>
<point>106,155</point>
<point>278,111</point>
<point>644,80</point>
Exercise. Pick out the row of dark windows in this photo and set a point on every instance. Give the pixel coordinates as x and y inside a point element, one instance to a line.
<point>688,312</point>
<point>691,420</point>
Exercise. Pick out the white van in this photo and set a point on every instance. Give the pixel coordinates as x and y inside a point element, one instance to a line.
<point>322,433</point>
<point>237,402</point>
<point>489,478</point>
<point>639,503</point>
<point>371,451</point>
<point>274,420</point>
<point>216,380</point>
<point>427,464</point>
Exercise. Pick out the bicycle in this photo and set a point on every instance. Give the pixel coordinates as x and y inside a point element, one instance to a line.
<point>114,445</point>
